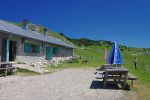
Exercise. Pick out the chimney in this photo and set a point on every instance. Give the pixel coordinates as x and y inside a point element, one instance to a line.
<point>45,31</point>
<point>25,24</point>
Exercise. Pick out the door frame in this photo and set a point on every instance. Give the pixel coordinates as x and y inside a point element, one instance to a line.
<point>5,54</point>
<point>48,53</point>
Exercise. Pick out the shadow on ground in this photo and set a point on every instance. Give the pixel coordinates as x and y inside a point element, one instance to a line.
<point>99,85</point>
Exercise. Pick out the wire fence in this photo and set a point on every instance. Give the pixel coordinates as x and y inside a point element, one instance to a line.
<point>144,66</point>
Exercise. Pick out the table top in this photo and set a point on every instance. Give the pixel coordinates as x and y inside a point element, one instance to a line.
<point>3,63</point>
<point>116,69</point>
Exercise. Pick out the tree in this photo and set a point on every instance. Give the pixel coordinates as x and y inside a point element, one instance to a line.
<point>122,49</point>
<point>62,34</point>
<point>129,49</point>
<point>144,49</point>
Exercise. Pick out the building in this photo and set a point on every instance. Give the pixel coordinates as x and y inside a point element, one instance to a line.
<point>24,45</point>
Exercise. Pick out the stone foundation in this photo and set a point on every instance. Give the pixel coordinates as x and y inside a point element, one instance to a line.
<point>30,58</point>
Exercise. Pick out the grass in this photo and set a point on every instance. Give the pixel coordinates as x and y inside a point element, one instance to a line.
<point>97,54</point>
<point>142,90</point>
<point>142,85</point>
<point>25,72</point>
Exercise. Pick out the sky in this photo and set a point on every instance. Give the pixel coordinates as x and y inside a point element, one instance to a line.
<point>126,22</point>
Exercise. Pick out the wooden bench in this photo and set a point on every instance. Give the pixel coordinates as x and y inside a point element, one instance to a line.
<point>85,61</point>
<point>132,78</point>
<point>7,67</point>
<point>118,75</point>
<point>73,60</point>
<point>104,67</point>
<point>100,75</point>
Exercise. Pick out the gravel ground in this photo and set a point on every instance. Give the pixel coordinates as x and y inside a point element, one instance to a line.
<point>68,84</point>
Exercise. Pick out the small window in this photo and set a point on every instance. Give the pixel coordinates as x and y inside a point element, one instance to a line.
<point>31,48</point>
<point>55,50</point>
<point>26,47</point>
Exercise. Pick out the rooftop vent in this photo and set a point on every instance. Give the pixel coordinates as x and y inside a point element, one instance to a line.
<point>45,31</point>
<point>32,27</point>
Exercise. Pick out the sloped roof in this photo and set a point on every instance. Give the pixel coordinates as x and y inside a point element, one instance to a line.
<point>16,30</point>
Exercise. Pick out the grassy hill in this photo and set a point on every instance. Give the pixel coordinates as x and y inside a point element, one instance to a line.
<point>94,52</point>
<point>143,82</point>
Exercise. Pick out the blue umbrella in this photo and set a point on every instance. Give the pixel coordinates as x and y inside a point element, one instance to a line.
<point>115,56</point>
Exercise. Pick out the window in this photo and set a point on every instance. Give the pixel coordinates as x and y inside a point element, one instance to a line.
<point>31,48</point>
<point>55,50</point>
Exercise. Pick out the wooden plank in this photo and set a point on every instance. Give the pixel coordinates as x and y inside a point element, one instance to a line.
<point>125,81</point>
<point>3,63</point>
<point>6,71</point>
<point>8,68</point>
<point>105,79</point>
<point>131,77</point>
<point>116,69</point>
<point>99,76</point>
<point>116,77</point>
<point>103,67</point>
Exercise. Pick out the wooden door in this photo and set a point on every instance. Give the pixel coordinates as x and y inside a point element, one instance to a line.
<point>48,53</point>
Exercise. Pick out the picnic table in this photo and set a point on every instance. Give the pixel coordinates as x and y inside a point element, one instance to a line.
<point>117,74</point>
<point>104,66</point>
<point>73,60</point>
<point>7,67</point>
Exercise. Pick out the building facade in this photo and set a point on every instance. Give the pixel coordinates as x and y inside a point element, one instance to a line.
<point>23,45</point>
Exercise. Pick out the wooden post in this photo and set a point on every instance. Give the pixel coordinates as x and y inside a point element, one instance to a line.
<point>132,83</point>
<point>144,67</point>
<point>125,80</point>
<point>105,79</point>
<point>6,70</point>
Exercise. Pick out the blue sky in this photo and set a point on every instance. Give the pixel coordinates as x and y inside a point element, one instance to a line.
<point>124,21</point>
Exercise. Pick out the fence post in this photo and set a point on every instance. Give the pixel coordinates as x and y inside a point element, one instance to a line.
<point>144,67</point>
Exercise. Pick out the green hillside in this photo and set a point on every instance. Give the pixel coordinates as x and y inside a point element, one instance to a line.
<point>95,54</point>
<point>143,82</point>
<point>93,51</point>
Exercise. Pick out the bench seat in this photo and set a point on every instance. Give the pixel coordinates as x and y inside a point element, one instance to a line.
<point>132,78</point>
<point>99,75</point>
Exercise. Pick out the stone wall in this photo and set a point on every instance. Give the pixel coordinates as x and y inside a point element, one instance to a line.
<point>63,54</point>
<point>29,57</point>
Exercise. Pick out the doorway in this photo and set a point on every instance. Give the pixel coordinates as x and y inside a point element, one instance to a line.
<point>12,51</point>
<point>8,50</point>
<point>48,53</point>
<point>3,50</point>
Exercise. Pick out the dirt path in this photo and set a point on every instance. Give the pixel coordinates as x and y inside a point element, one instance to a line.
<point>68,84</point>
